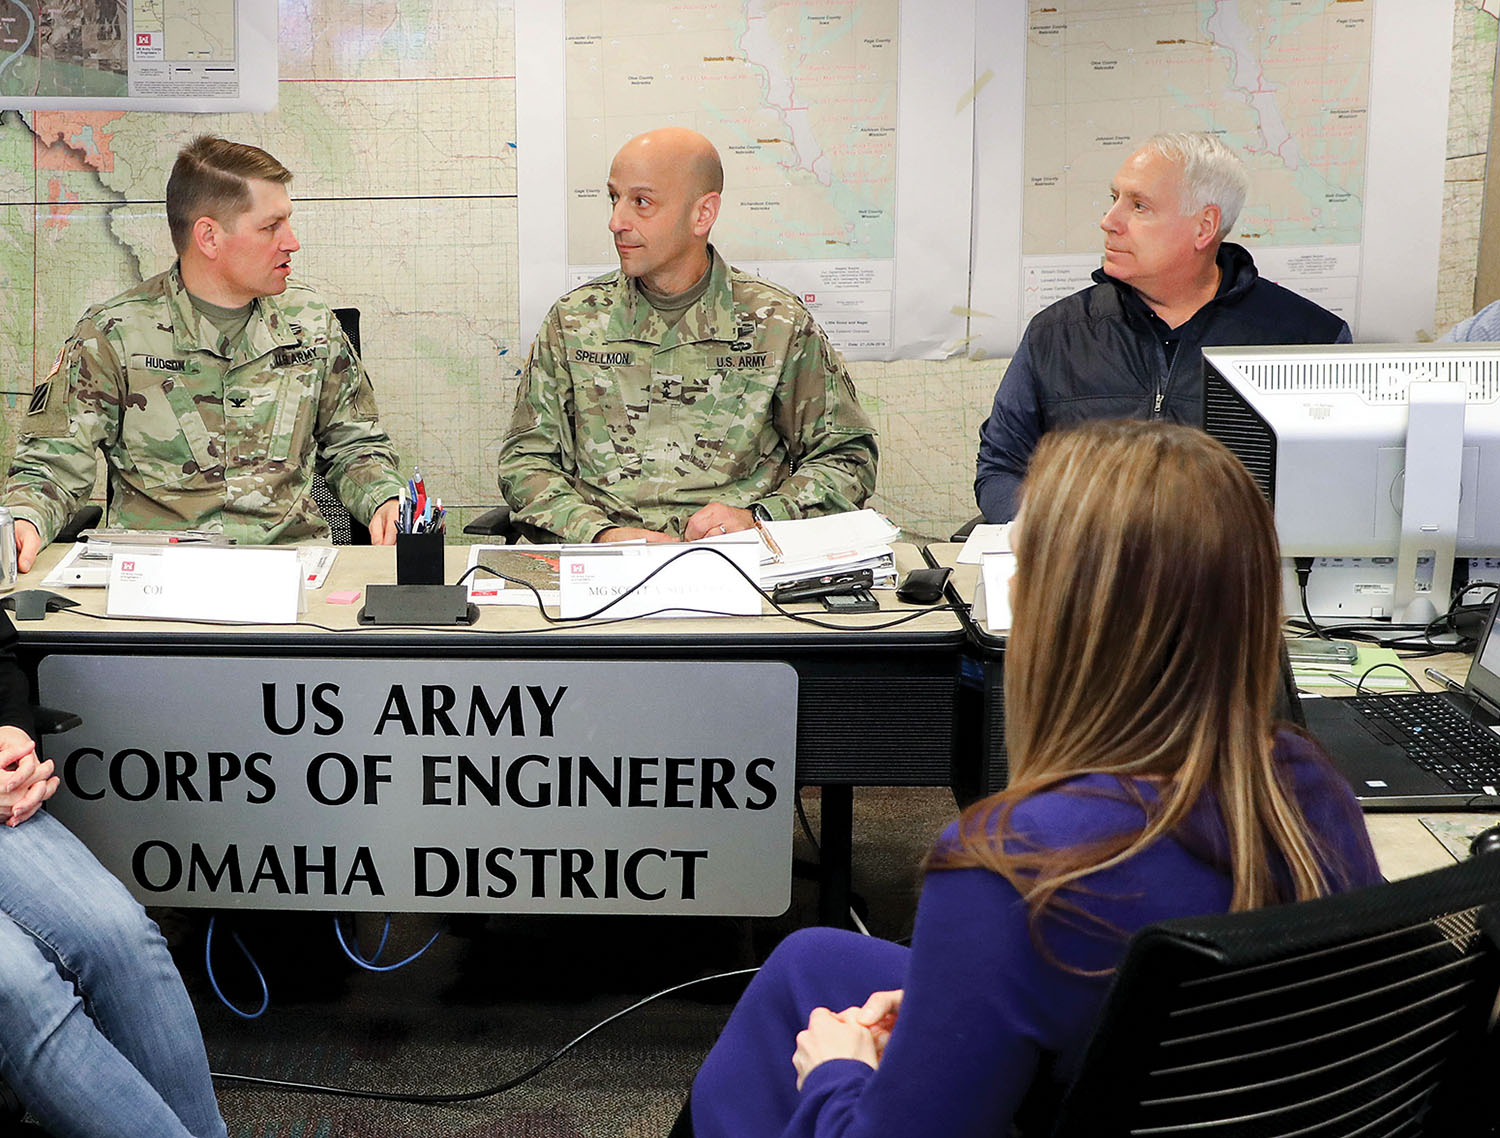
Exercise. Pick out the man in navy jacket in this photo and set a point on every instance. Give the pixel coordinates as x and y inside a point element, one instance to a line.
<point>1130,345</point>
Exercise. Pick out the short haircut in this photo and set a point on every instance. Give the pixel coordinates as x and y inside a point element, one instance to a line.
<point>209,180</point>
<point>1212,174</point>
<point>708,173</point>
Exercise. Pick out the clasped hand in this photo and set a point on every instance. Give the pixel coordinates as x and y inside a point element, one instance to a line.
<point>854,1033</point>
<point>25,782</point>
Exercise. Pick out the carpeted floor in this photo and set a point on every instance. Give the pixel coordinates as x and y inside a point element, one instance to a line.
<point>495,995</point>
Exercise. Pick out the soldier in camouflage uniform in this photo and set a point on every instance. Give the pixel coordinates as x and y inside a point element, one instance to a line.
<point>680,397</point>
<point>212,389</point>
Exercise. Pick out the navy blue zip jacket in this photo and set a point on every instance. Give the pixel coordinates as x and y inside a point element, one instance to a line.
<point>1100,354</point>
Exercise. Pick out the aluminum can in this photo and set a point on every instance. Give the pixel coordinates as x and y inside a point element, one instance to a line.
<point>7,549</point>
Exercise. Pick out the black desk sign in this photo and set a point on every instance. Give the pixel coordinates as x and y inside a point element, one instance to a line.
<point>417,604</point>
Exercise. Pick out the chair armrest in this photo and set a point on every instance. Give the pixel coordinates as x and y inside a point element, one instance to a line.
<point>497,522</point>
<point>86,518</point>
<point>491,522</point>
<point>962,532</point>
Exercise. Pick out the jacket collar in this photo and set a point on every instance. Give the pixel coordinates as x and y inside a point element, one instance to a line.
<point>1237,273</point>
<point>712,318</point>
<point>267,330</point>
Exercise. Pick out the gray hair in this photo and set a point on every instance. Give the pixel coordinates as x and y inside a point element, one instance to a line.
<point>1212,174</point>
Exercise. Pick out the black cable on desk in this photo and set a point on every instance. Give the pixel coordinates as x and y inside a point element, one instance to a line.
<point>1368,632</point>
<point>591,619</point>
<point>593,616</point>
<point>1304,568</point>
<point>103,616</point>
<point>1415,646</point>
<point>1359,688</point>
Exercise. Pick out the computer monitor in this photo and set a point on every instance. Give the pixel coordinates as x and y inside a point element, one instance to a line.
<point>1381,461</point>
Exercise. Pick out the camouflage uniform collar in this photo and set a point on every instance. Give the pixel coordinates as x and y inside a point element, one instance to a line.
<point>712,318</point>
<point>193,332</point>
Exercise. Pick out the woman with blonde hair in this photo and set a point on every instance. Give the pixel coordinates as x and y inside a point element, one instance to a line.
<point>1148,781</point>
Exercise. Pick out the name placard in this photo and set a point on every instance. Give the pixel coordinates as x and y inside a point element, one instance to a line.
<point>540,786</point>
<point>259,585</point>
<point>992,598</point>
<point>662,579</point>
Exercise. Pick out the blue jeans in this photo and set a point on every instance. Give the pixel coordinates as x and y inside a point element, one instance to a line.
<point>97,1035</point>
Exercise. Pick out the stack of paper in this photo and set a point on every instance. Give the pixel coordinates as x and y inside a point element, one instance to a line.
<point>807,547</point>
<point>985,538</point>
<point>1348,676</point>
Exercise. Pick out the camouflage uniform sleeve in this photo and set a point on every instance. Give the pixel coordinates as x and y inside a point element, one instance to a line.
<point>73,412</point>
<point>830,439</point>
<point>355,454</point>
<point>538,458</point>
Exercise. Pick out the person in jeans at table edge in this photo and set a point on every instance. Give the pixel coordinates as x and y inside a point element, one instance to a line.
<point>97,1036</point>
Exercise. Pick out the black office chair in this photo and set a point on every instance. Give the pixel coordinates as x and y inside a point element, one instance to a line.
<point>1368,1013</point>
<point>1364,1014</point>
<point>342,527</point>
<point>962,532</point>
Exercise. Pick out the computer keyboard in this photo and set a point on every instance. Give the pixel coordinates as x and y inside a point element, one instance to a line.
<point>1437,736</point>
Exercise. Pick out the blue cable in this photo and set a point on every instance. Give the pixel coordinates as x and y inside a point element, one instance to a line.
<point>208,963</point>
<point>338,931</point>
<point>379,948</point>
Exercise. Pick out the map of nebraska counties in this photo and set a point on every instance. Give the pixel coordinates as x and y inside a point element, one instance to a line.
<point>52,48</point>
<point>799,97</point>
<point>1286,85</point>
<point>190,29</point>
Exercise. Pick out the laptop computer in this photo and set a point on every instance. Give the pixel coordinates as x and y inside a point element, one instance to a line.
<point>1420,750</point>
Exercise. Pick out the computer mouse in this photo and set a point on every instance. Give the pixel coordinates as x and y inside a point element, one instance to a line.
<point>1485,842</point>
<point>34,604</point>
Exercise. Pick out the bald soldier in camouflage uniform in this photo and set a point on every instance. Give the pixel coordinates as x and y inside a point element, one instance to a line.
<point>210,415</point>
<point>671,399</point>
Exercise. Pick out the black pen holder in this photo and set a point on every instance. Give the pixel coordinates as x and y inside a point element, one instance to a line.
<point>419,558</point>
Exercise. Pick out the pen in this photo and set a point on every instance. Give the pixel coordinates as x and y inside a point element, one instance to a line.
<point>765,536</point>
<point>1450,684</point>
